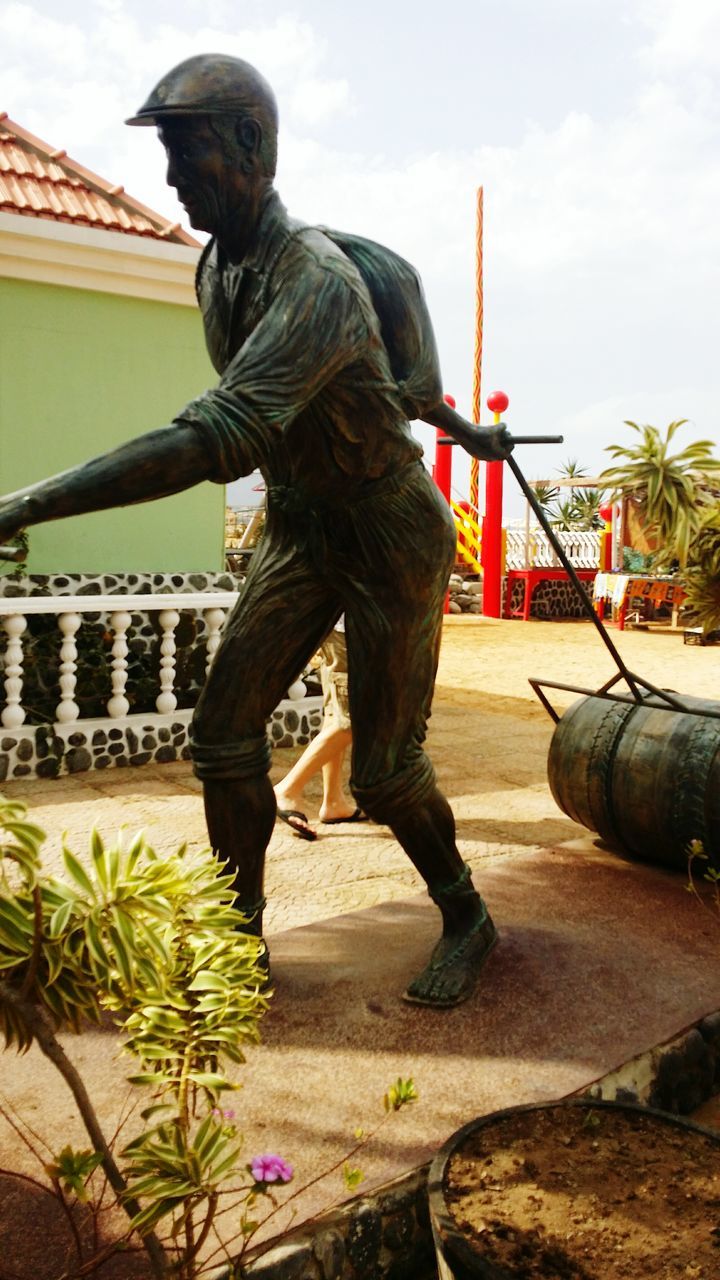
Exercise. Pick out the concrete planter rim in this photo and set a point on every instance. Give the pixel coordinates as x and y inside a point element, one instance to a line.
<point>456,1258</point>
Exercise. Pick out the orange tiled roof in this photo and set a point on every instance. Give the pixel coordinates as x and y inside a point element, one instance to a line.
<point>40,182</point>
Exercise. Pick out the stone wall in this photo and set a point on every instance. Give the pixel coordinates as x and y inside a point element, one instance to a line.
<point>46,749</point>
<point>465,594</point>
<point>549,600</point>
<point>113,584</point>
<point>49,750</point>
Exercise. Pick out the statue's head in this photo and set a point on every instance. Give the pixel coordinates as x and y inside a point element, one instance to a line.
<point>217,119</point>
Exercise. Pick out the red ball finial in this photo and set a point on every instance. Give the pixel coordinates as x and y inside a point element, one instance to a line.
<point>497,402</point>
<point>605,512</point>
<point>450,400</point>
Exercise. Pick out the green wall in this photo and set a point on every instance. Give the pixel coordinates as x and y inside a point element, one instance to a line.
<point>80,372</point>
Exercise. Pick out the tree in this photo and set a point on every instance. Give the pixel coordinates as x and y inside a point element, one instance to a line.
<point>679,504</point>
<point>672,490</point>
<point>579,509</point>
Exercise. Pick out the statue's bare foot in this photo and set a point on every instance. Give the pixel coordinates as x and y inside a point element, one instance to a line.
<point>455,964</point>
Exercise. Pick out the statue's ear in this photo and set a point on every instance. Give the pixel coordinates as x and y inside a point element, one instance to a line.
<point>249,136</point>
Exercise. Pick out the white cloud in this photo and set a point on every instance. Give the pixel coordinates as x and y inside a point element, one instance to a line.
<point>315,100</point>
<point>685,34</point>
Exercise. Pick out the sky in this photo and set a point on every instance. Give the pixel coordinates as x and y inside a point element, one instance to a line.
<point>593,127</point>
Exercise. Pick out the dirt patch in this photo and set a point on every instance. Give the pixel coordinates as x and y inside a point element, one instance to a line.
<point>577,1193</point>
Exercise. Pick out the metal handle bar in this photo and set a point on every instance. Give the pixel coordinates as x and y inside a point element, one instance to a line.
<point>513,439</point>
<point>537,439</point>
<point>634,682</point>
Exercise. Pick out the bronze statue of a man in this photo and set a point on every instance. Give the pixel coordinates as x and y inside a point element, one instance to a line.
<point>323,353</point>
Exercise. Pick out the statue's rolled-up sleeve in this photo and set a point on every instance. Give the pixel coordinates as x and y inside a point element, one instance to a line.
<point>314,327</point>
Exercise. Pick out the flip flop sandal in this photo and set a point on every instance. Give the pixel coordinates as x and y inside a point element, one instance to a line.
<point>285,815</point>
<point>357,816</point>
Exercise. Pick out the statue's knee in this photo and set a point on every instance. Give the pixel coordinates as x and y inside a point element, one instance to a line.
<point>390,801</point>
<point>241,758</point>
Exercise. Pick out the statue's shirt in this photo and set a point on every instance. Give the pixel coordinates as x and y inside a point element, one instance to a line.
<point>306,392</point>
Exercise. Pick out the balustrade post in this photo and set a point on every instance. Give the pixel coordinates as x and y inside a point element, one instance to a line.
<point>13,713</point>
<point>67,710</point>
<point>166,701</point>
<point>214,619</point>
<point>118,704</point>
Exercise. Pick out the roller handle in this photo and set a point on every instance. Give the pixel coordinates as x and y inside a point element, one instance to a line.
<point>514,439</point>
<point>537,439</point>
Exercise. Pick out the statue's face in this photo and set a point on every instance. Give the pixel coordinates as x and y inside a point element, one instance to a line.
<point>209,181</point>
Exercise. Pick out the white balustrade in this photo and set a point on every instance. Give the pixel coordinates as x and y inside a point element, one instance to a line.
<point>214,619</point>
<point>67,710</point>
<point>166,701</point>
<point>13,713</point>
<point>118,704</point>
<point>530,548</point>
<point>14,613</point>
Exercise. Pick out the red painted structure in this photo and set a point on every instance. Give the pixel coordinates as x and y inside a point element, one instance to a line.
<point>492,555</point>
<point>442,470</point>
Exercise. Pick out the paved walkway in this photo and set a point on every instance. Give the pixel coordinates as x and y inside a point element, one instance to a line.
<point>599,958</point>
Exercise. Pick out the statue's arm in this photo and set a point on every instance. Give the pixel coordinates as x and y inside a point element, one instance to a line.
<point>489,444</point>
<point>152,466</point>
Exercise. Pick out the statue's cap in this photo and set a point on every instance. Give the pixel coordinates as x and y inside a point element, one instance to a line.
<point>208,84</point>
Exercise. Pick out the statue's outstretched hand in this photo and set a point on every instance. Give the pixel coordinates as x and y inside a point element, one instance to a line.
<point>489,444</point>
<point>12,519</point>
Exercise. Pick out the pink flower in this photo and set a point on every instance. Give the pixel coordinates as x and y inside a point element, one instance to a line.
<point>269,1168</point>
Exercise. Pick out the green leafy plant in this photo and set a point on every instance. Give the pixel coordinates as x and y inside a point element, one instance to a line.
<point>672,489</point>
<point>579,509</point>
<point>157,944</point>
<point>22,542</point>
<point>546,493</point>
<point>701,577</point>
<point>710,874</point>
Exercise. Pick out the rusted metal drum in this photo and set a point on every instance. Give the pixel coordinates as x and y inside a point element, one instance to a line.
<point>645,777</point>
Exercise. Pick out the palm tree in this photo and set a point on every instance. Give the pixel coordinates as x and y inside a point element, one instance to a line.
<point>545,493</point>
<point>671,490</point>
<point>565,516</point>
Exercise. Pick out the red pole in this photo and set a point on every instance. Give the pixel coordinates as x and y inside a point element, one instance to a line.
<point>492,522</point>
<point>606,539</point>
<point>442,471</point>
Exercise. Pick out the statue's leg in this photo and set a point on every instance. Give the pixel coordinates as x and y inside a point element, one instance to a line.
<point>281,618</point>
<point>392,660</point>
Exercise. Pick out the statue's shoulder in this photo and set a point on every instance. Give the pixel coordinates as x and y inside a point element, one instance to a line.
<point>316,245</point>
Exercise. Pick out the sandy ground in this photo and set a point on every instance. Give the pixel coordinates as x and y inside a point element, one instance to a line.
<point>489,740</point>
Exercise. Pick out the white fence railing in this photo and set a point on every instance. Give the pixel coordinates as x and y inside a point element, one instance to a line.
<point>14,613</point>
<point>530,549</point>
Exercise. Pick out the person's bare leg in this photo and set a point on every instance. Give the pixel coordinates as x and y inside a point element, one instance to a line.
<point>319,753</point>
<point>336,803</point>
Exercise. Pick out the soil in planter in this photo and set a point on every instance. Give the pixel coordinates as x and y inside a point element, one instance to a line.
<point>569,1193</point>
